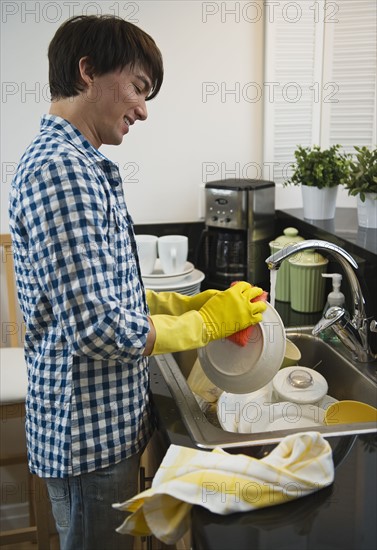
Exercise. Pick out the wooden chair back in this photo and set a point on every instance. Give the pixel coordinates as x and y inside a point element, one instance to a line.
<point>39,509</point>
<point>7,261</point>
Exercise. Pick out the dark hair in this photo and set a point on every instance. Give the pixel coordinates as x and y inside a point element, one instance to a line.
<point>110,43</point>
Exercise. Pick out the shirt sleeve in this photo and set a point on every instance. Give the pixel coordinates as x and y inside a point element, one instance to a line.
<point>82,264</point>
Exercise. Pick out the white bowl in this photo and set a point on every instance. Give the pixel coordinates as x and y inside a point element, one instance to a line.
<point>285,391</point>
<point>244,369</point>
<point>292,355</point>
<point>238,412</point>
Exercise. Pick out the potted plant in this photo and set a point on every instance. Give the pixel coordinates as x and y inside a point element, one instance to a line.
<point>362,182</point>
<point>319,172</point>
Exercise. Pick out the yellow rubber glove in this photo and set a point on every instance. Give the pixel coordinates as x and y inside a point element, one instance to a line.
<point>223,314</point>
<point>173,303</point>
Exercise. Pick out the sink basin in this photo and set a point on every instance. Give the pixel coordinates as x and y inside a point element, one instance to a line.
<point>346,380</point>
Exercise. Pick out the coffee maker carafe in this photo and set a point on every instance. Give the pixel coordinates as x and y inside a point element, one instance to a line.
<point>239,220</point>
<point>228,255</point>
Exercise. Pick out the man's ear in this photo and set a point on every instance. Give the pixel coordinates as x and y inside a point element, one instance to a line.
<point>86,71</point>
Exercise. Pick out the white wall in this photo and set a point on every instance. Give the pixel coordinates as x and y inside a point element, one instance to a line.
<point>197,130</point>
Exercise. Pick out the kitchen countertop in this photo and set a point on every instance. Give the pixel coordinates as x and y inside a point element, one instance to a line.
<point>340,516</point>
<point>344,226</point>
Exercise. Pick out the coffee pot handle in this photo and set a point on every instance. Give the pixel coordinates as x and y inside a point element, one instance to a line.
<point>202,252</point>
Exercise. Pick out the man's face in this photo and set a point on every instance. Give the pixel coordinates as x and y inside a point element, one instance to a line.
<point>115,101</point>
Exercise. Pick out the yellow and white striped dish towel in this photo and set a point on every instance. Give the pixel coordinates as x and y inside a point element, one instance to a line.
<point>225,483</point>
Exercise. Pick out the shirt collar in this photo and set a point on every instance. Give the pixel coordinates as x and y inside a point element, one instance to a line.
<point>68,131</point>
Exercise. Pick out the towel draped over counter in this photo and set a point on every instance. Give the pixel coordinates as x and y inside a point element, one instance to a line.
<point>225,483</point>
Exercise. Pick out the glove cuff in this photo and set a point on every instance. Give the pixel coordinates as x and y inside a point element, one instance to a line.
<point>167,303</point>
<point>179,333</point>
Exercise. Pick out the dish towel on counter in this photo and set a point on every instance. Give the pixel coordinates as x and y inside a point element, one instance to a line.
<point>224,483</point>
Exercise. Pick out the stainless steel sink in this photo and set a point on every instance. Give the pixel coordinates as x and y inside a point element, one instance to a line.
<point>346,380</point>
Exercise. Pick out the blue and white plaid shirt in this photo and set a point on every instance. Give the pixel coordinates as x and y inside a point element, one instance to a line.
<point>80,290</point>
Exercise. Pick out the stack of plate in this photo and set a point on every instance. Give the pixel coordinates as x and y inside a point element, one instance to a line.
<point>186,282</point>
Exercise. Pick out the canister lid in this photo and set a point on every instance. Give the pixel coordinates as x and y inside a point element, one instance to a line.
<point>290,236</point>
<point>309,258</point>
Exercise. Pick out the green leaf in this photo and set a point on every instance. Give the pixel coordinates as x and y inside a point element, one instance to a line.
<point>316,168</point>
<point>362,176</point>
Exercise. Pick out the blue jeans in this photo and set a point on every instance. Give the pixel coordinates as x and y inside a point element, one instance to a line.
<point>82,506</point>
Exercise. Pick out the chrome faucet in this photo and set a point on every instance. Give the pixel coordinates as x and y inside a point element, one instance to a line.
<point>353,332</point>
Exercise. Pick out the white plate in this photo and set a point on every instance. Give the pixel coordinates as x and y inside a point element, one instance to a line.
<point>289,416</point>
<point>243,369</point>
<point>235,414</point>
<point>281,416</point>
<point>159,277</point>
<point>190,280</point>
<point>189,291</point>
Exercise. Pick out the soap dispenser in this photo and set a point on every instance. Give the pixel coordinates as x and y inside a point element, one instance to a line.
<point>335,298</point>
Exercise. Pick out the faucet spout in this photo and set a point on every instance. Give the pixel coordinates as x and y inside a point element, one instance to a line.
<point>274,261</point>
<point>359,320</point>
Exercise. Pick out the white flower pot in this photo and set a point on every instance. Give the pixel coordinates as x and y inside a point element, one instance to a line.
<point>367,211</point>
<point>319,204</point>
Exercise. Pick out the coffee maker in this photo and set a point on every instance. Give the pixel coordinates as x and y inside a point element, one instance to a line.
<point>239,224</point>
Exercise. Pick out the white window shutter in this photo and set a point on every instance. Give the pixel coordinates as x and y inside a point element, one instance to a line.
<point>330,54</point>
<point>350,61</point>
<point>290,69</point>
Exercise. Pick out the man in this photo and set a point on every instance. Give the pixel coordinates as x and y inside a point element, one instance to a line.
<point>89,328</point>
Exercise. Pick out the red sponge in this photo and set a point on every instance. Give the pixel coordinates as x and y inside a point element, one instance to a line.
<point>242,337</point>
